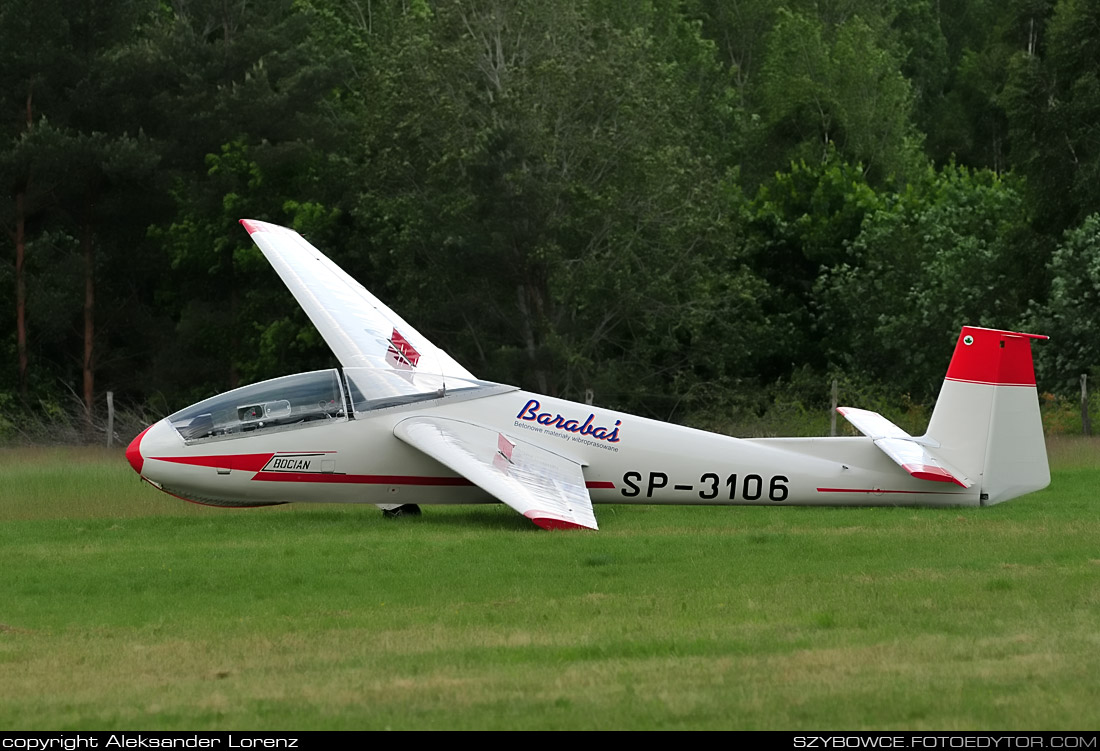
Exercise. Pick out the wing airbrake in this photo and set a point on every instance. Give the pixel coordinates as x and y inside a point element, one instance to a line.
<point>546,488</point>
<point>914,455</point>
<point>361,331</point>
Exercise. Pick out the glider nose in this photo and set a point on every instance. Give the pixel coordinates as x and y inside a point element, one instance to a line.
<point>133,451</point>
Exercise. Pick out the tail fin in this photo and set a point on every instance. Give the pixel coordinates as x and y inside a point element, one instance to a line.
<point>986,421</point>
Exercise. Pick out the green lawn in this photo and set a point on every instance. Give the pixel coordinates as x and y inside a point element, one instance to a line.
<point>121,607</point>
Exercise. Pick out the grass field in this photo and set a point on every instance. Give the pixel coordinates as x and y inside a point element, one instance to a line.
<point>121,607</point>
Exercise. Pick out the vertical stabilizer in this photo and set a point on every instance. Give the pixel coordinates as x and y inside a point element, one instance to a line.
<point>986,421</point>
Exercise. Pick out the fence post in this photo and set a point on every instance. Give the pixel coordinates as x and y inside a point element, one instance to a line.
<point>832,411</point>
<point>589,396</point>
<point>110,418</point>
<point>1086,427</point>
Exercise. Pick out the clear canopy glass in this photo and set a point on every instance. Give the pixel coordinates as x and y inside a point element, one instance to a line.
<point>281,403</point>
<point>311,399</point>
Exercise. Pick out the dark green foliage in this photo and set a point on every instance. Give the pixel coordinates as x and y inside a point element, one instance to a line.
<point>950,250</point>
<point>687,207</point>
<point>1053,102</point>
<point>798,227</point>
<point>1070,317</point>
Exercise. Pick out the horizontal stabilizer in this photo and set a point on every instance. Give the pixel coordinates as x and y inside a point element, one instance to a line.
<point>914,455</point>
<point>546,488</point>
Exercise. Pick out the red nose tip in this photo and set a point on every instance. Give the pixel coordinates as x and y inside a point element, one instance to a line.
<point>133,452</point>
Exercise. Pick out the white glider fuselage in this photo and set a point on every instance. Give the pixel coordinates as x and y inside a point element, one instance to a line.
<point>359,461</point>
<point>401,422</point>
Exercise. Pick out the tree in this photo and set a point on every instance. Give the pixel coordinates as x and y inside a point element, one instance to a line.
<point>839,88</point>
<point>1070,315</point>
<point>541,194</point>
<point>799,227</point>
<point>1053,102</point>
<point>258,131</point>
<point>34,59</point>
<point>949,251</point>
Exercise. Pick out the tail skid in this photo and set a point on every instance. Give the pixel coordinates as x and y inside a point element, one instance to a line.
<point>985,428</point>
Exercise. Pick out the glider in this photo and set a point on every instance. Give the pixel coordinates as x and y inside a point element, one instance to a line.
<point>401,423</point>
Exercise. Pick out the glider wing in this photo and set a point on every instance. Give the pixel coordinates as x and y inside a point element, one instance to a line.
<point>360,329</point>
<point>546,488</point>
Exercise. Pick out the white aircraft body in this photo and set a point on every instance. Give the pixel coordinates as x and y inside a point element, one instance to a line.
<point>402,423</point>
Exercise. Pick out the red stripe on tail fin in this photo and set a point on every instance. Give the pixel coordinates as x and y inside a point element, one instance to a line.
<point>1000,358</point>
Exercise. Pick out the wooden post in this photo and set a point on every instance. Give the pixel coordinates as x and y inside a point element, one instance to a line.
<point>832,411</point>
<point>110,418</point>
<point>1086,427</point>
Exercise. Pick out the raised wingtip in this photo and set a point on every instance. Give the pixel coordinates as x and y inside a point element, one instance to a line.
<point>255,225</point>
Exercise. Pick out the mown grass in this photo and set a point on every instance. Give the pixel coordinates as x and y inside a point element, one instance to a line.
<point>121,607</point>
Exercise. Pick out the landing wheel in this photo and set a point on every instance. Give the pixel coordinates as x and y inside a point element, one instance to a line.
<point>408,509</point>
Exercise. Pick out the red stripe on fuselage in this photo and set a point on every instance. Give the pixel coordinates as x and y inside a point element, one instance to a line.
<point>256,463</point>
<point>244,462</point>
<point>384,479</point>
<point>359,479</point>
<point>906,492</point>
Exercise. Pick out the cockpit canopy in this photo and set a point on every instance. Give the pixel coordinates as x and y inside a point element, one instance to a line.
<point>309,399</point>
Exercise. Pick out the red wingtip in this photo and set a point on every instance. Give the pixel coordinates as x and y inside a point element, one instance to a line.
<point>994,357</point>
<point>547,522</point>
<point>255,225</point>
<point>133,451</point>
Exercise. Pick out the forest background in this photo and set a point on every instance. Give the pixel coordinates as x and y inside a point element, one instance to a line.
<point>696,210</point>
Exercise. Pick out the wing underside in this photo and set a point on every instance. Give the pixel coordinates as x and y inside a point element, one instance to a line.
<point>546,488</point>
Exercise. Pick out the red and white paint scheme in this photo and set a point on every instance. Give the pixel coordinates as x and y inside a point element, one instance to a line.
<point>401,422</point>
